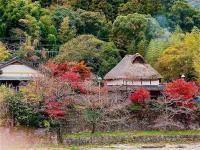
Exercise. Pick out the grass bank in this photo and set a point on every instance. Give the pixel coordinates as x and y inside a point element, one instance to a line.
<point>131,133</point>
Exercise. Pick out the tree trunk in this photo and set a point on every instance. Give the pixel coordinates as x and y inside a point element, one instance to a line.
<point>93,127</point>
<point>59,135</point>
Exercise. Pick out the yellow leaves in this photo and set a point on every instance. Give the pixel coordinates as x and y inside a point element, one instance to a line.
<point>192,41</point>
<point>66,32</point>
<point>4,54</point>
<point>31,93</point>
<point>196,63</point>
<point>182,57</point>
<point>4,92</point>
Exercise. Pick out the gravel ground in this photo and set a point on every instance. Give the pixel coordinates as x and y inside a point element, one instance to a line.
<point>150,147</point>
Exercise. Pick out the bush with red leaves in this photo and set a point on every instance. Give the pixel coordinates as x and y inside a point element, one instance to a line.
<point>181,92</point>
<point>180,89</point>
<point>82,70</point>
<point>74,80</point>
<point>59,69</point>
<point>73,73</point>
<point>71,77</point>
<point>139,95</point>
<point>54,109</point>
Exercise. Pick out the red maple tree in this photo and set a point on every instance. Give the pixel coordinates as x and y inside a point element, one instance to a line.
<point>74,81</point>
<point>54,109</point>
<point>139,95</point>
<point>82,70</point>
<point>73,73</point>
<point>180,89</point>
<point>58,69</point>
<point>181,92</point>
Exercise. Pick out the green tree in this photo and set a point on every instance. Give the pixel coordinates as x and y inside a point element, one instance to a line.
<point>93,116</point>
<point>155,48</point>
<point>67,32</point>
<point>184,15</point>
<point>45,3</point>
<point>94,23</point>
<point>158,45</point>
<point>74,18</point>
<point>15,10</point>
<point>109,56</point>
<point>143,7</point>
<point>96,53</point>
<point>108,7</point>
<point>132,33</point>
<point>27,17</point>
<point>5,92</point>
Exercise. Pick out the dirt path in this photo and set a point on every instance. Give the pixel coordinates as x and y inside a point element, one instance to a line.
<point>20,138</point>
<point>150,147</point>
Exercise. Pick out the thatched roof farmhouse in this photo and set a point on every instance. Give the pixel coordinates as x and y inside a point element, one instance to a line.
<point>133,71</point>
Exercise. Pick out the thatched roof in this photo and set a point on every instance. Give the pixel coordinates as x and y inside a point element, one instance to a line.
<point>133,67</point>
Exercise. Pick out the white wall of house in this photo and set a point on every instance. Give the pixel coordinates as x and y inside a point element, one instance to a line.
<point>155,82</point>
<point>132,82</point>
<point>115,82</point>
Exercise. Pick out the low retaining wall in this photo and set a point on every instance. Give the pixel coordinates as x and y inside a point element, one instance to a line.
<point>130,139</point>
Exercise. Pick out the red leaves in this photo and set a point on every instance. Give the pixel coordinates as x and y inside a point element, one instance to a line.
<point>57,69</point>
<point>182,92</point>
<point>139,95</point>
<point>54,109</point>
<point>79,68</point>
<point>71,76</point>
<point>180,89</point>
<point>73,73</point>
<point>74,80</point>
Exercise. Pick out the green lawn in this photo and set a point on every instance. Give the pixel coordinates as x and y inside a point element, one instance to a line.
<point>132,133</point>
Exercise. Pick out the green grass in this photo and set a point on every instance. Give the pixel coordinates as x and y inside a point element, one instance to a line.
<point>132,133</point>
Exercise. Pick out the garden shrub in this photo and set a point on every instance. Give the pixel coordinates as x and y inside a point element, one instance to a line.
<point>180,89</point>
<point>24,113</point>
<point>139,95</point>
<point>5,92</point>
<point>93,116</point>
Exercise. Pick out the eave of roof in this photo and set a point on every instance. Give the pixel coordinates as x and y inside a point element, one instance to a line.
<point>16,78</point>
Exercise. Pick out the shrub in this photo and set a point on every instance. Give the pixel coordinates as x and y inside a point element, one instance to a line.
<point>5,92</point>
<point>139,95</point>
<point>54,109</point>
<point>72,73</point>
<point>93,116</point>
<point>24,112</point>
<point>180,89</point>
